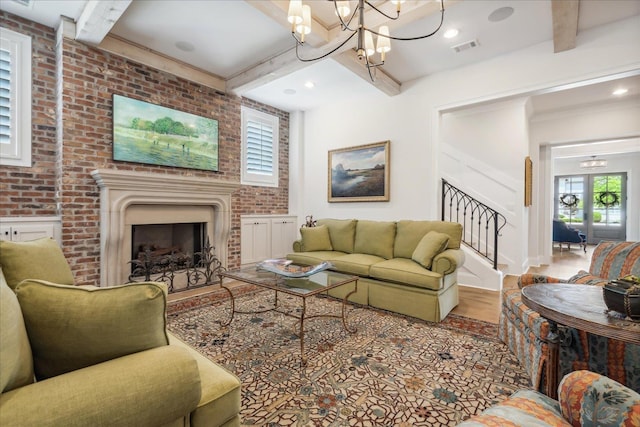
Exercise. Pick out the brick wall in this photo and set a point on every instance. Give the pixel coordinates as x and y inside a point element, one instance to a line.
<point>31,191</point>
<point>87,78</point>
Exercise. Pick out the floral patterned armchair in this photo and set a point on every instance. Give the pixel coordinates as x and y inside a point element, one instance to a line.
<point>526,332</point>
<point>584,399</point>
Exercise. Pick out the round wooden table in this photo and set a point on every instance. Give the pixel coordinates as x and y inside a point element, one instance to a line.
<point>578,306</point>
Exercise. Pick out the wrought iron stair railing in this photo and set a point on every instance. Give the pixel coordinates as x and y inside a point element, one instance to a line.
<point>481,224</point>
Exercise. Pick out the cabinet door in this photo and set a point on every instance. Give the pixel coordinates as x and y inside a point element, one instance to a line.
<point>283,233</point>
<point>5,232</point>
<point>255,242</point>
<point>22,233</point>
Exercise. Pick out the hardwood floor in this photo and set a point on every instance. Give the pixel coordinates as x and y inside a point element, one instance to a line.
<point>484,305</point>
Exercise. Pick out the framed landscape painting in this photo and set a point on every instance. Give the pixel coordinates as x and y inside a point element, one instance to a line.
<point>359,174</point>
<point>156,135</point>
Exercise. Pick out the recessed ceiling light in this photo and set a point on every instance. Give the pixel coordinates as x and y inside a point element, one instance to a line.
<point>309,85</point>
<point>451,33</point>
<point>620,91</point>
<point>185,46</point>
<point>289,91</point>
<point>501,14</point>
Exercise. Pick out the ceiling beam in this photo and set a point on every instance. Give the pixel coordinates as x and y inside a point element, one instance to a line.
<point>279,10</point>
<point>151,58</point>
<point>383,81</point>
<point>97,19</point>
<point>565,24</point>
<point>286,62</point>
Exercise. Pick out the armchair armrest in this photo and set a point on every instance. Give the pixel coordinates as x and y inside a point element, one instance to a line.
<point>530,279</point>
<point>297,245</point>
<point>446,262</point>
<point>588,398</point>
<point>153,387</point>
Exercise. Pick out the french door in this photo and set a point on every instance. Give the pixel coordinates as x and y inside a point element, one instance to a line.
<point>594,204</point>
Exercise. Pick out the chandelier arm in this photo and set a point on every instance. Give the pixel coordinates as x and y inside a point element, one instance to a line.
<point>417,37</point>
<point>382,13</point>
<point>321,56</point>
<point>345,26</point>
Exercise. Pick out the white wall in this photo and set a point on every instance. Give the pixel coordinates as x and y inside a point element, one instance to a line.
<point>411,120</point>
<point>482,152</point>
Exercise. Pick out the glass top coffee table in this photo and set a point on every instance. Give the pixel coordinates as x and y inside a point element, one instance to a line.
<point>301,287</point>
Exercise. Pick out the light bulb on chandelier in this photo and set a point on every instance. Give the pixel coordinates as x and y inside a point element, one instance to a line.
<point>299,17</point>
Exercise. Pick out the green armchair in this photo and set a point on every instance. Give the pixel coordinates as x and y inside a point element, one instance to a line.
<point>88,356</point>
<point>526,332</point>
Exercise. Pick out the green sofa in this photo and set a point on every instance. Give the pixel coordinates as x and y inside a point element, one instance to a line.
<point>408,267</point>
<point>88,356</point>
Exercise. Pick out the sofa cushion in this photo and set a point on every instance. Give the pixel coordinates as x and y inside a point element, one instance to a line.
<point>430,245</point>
<point>220,390</point>
<point>16,361</point>
<point>342,233</point>
<point>585,278</point>
<point>313,258</point>
<point>358,264</point>
<point>315,239</point>
<point>402,270</point>
<point>522,408</point>
<point>73,327</point>
<point>409,233</point>
<point>611,260</point>
<point>35,259</point>
<point>589,399</point>
<point>375,238</point>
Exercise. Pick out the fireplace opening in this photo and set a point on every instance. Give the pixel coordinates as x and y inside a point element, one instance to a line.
<point>182,241</point>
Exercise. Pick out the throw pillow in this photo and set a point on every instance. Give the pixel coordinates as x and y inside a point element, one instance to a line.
<point>429,246</point>
<point>342,233</point>
<point>72,327</point>
<point>16,362</point>
<point>316,239</point>
<point>375,238</point>
<point>36,259</point>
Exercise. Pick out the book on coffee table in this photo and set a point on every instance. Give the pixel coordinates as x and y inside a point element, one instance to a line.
<point>285,267</point>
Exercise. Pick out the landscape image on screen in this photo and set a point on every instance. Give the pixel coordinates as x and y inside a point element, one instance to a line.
<point>149,133</point>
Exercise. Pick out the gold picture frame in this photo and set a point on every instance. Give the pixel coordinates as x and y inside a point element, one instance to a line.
<point>359,174</point>
<point>528,181</point>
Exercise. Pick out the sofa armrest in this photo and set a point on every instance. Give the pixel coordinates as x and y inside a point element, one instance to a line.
<point>530,279</point>
<point>446,262</point>
<point>588,398</point>
<point>297,246</point>
<point>153,387</point>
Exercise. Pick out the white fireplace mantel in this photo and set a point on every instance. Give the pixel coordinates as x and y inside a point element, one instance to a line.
<point>158,193</point>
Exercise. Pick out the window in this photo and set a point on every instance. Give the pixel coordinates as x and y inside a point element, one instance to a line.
<point>15,99</point>
<point>259,148</point>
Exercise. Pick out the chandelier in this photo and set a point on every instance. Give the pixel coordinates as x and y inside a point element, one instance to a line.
<point>593,163</point>
<point>299,17</point>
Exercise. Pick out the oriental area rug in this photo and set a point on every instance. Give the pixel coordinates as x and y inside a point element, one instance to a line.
<point>394,371</point>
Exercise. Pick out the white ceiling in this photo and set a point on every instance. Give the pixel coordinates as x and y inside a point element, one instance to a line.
<point>228,37</point>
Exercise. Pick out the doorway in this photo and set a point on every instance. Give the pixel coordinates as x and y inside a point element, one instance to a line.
<point>595,204</point>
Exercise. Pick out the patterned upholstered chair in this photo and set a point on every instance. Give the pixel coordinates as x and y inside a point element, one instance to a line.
<point>584,399</point>
<point>526,333</point>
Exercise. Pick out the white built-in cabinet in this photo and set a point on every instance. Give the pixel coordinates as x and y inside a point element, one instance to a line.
<point>266,236</point>
<point>21,229</point>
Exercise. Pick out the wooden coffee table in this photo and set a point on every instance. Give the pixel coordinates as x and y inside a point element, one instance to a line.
<point>303,288</point>
<point>578,306</point>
